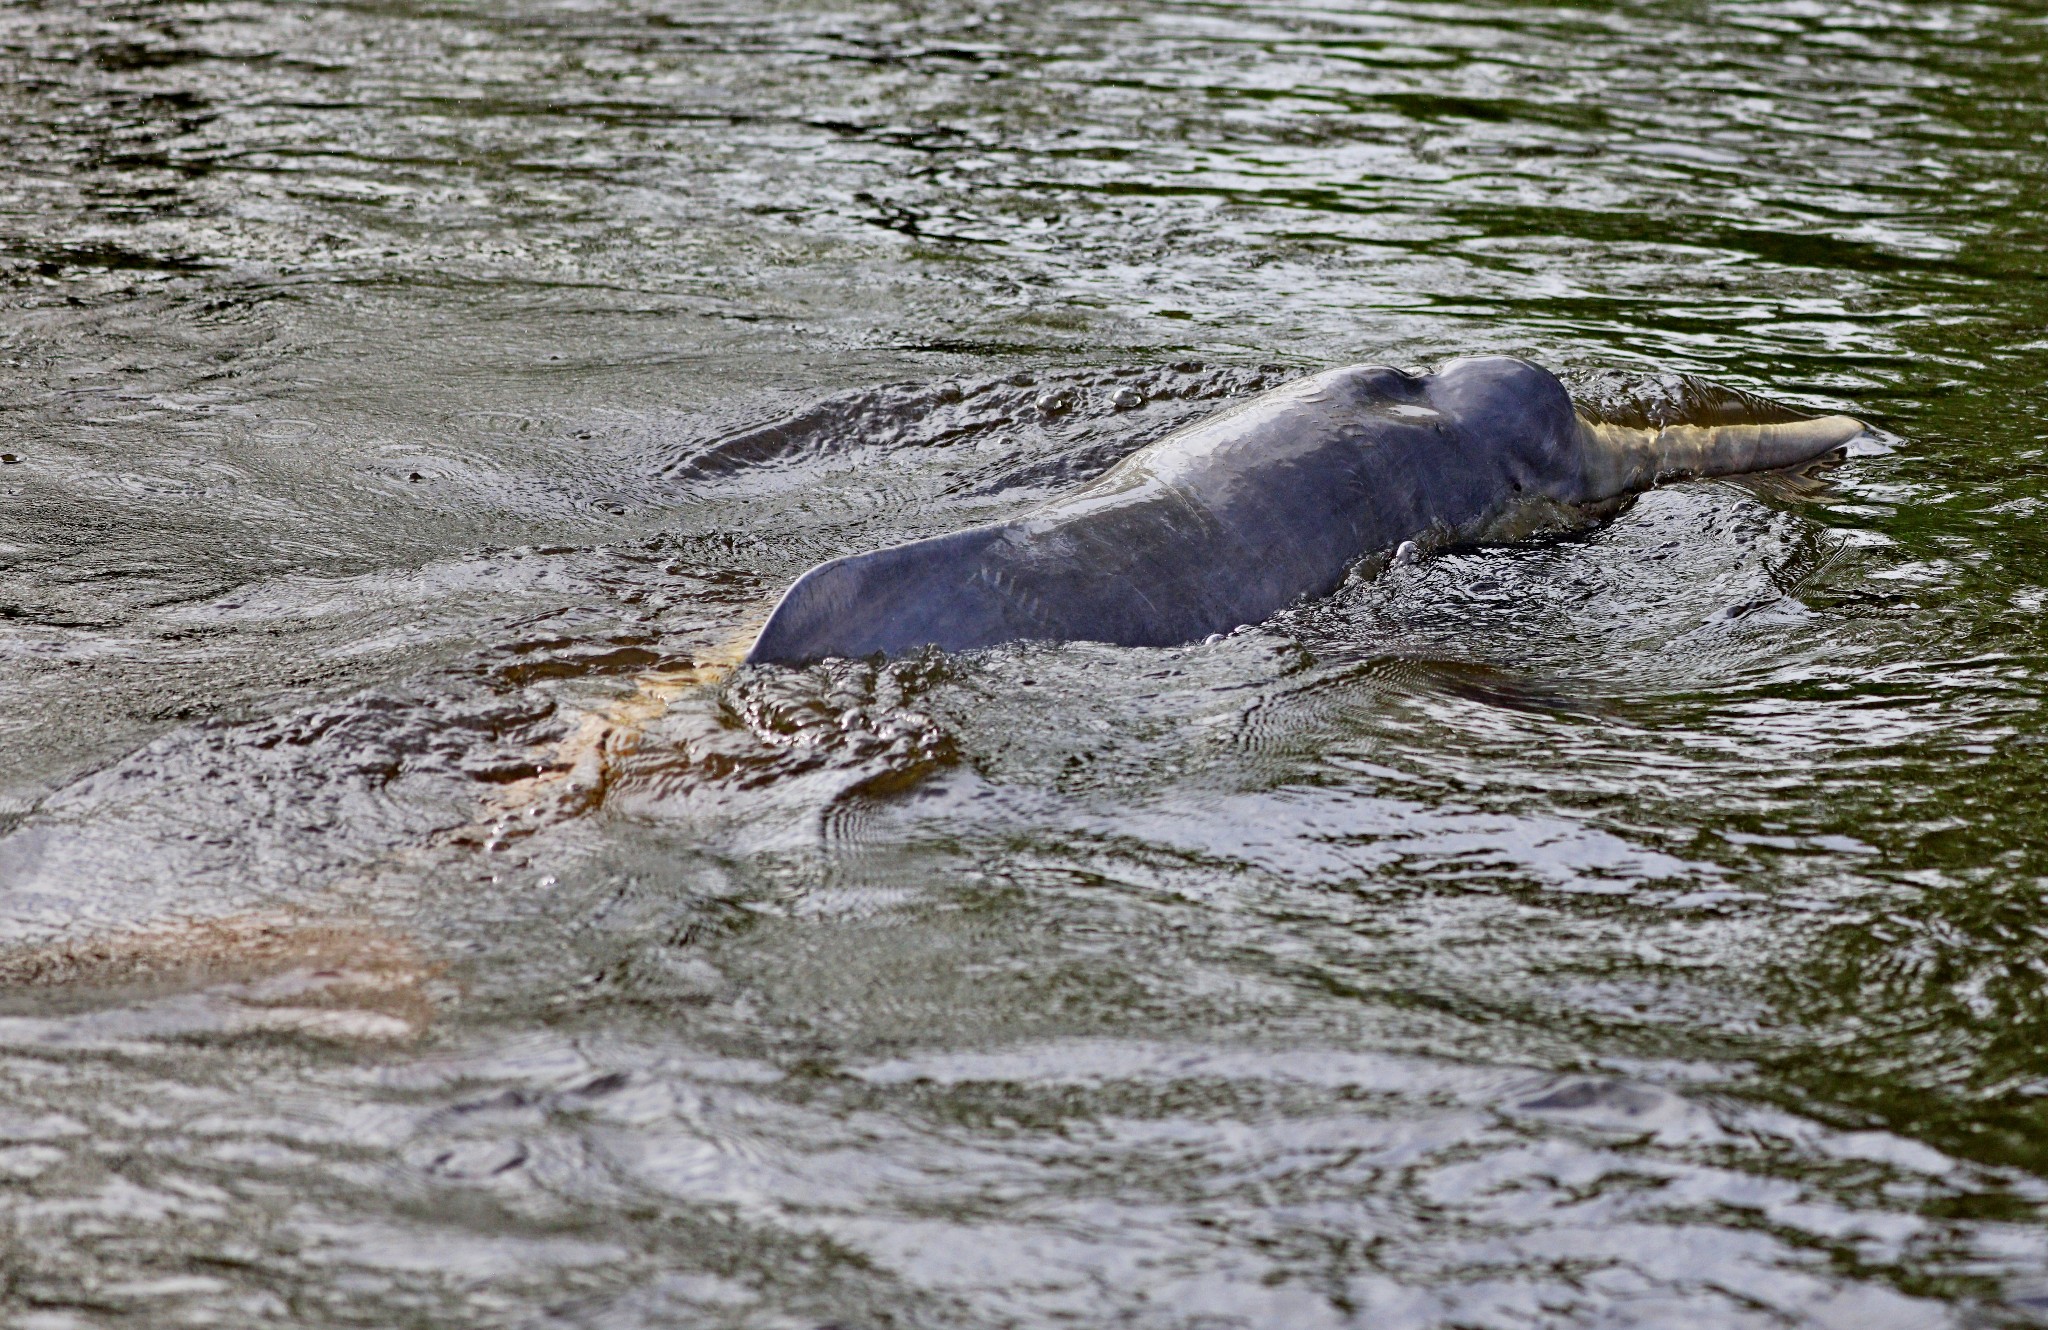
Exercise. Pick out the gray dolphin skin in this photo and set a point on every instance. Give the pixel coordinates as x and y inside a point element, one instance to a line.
<point>1272,502</point>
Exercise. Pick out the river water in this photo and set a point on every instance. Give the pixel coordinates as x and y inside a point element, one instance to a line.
<point>403,923</point>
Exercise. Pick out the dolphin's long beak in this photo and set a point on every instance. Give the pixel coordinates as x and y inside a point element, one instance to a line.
<point>1622,459</point>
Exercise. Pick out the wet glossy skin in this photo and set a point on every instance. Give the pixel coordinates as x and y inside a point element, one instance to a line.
<point>1220,525</point>
<point>1235,518</point>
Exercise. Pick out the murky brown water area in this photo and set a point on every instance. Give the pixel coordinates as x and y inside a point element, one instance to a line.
<point>401,405</point>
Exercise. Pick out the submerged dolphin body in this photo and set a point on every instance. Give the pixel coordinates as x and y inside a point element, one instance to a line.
<point>1240,515</point>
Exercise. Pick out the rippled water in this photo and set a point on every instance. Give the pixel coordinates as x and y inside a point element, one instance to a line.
<point>405,407</point>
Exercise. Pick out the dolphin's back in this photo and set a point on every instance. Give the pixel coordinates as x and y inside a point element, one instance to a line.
<point>926,593</point>
<point>1218,525</point>
<point>1237,517</point>
<point>1137,574</point>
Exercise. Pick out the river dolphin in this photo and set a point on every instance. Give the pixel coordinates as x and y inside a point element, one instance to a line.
<point>1266,504</point>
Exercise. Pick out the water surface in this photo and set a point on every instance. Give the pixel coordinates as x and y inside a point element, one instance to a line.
<point>400,403</point>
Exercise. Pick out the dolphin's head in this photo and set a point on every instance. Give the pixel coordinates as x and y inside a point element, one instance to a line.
<point>1522,414</point>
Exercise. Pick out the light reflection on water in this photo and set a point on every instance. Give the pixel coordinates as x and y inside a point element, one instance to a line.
<point>1635,928</point>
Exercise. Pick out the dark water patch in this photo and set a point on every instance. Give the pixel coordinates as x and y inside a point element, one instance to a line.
<point>1019,414</point>
<point>1653,401</point>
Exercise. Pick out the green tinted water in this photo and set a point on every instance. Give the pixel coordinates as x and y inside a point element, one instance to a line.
<point>1644,928</point>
